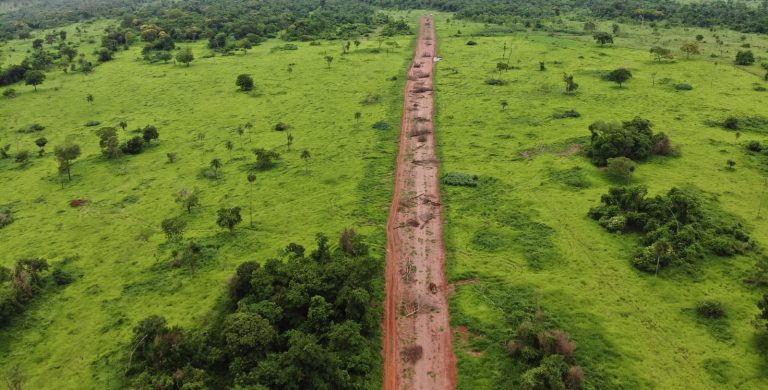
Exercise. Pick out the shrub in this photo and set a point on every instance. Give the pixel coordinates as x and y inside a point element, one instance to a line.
<point>754,146</point>
<point>632,139</point>
<point>134,145</point>
<point>731,123</point>
<point>621,169</point>
<point>471,43</point>
<point>566,114</point>
<point>381,125</point>
<point>710,309</point>
<point>371,99</point>
<point>745,57</point>
<point>683,87</point>
<point>10,93</point>
<point>759,88</point>
<point>33,128</point>
<point>495,82</point>
<point>460,179</point>
<point>280,126</point>
<point>6,217</point>
<point>92,123</point>
<point>61,277</point>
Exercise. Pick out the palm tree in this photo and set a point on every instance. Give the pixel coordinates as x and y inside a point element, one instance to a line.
<point>249,126</point>
<point>240,132</point>
<point>229,147</point>
<point>290,141</point>
<point>251,179</point>
<point>305,155</point>
<point>216,164</point>
<point>358,115</point>
<point>329,59</point>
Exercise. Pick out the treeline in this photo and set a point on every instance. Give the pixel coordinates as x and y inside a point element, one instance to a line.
<point>20,284</point>
<point>305,321</point>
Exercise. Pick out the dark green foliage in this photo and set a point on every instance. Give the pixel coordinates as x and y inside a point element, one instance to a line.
<point>495,82</point>
<point>632,139</point>
<point>620,169</point>
<point>619,76</point>
<point>710,309</point>
<point>61,277</point>
<point>13,74</point>
<point>675,228</point>
<point>683,87</point>
<point>301,322</point>
<point>65,155</point>
<point>755,146</point>
<point>471,43</point>
<point>10,93</point>
<point>109,142</point>
<point>745,57</point>
<point>229,218</point>
<point>134,145</point>
<point>244,82</point>
<point>265,159</point>
<point>602,38</point>
<point>6,217</point>
<point>149,133</point>
<point>174,228</point>
<point>381,125</point>
<point>460,179</point>
<point>280,126</point>
<point>33,128</point>
<point>762,304</point>
<point>34,78</point>
<point>566,114</point>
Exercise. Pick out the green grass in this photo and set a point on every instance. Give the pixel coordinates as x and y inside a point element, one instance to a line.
<point>77,337</point>
<point>633,330</point>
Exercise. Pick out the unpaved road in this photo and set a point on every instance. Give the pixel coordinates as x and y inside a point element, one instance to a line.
<point>417,333</point>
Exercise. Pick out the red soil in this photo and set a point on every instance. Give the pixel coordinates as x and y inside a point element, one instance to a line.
<point>416,307</point>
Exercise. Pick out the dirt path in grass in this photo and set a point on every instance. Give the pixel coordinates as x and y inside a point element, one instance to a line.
<point>417,333</point>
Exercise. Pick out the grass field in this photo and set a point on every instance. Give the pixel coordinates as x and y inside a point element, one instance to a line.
<point>77,337</point>
<point>522,238</point>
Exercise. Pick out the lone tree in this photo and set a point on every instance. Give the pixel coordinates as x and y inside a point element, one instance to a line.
<point>41,142</point>
<point>89,98</point>
<point>690,48</point>
<point>34,78</point>
<point>619,76</point>
<point>229,145</point>
<point>216,165</point>
<point>570,85</point>
<point>65,155</point>
<point>305,155</point>
<point>174,228</point>
<point>745,57</point>
<point>290,141</point>
<point>329,60</point>
<point>699,37</point>
<point>603,37</point>
<point>245,82</point>
<point>123,124</point>
<point>661,53</point>
<point>251,181</point>
<point>185,56</point>
<point>149,133</point>
<point>228,218</point>
<point>188,198</point>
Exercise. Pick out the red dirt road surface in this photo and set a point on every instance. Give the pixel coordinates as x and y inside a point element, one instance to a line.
<point>417,333</point>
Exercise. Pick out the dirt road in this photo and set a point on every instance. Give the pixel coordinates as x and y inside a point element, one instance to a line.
<point>417,333</point>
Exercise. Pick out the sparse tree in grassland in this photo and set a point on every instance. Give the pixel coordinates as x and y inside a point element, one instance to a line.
<point>34,78</point>
<point>504,105</point>
<point>619,76</point>
<point>4,151</point>
<point>240,132</point>
<point>661,53</point>
<point>216,165</point>
<point>290,70</point>
<point>174,228</point>
<point>249,126</point>
<point>731,165</point>
<point>245,45</point>
<point>229,145</point>
<point>22,157</point>
<point>245,82</point>
<point>358,115</point>
<point>123,124</point>
<point>570,85</point>
<point>149,133</point>
<point>89,98</point>
<point>357,44</point>
<point>228,218</point>
<point>185,56</point>
<point>542,66</point>
<point>590,26</point>
<point>171,157</point>
<point>251,181</point>
<point>41,142</point>
<point>188,199</point>
<point>689,48</point>
<point>602,38</point>
<point>290,141</point>
<point>65,155</point>
<point>616,29</point>
<point>699,38</point>
<point>305,155</point>
<point>621,169</point>
<point>329,60</point>
<point>745,57</point>
<point>265,158</point>
<point>109,142</point>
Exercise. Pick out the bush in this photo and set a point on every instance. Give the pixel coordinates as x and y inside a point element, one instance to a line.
<point>134,145</point>
<point>280,126</point>
<point>471,43</point>
<point>6,217</point>
<point>683,87</point>
<point>632,139</point>
<point>33,128</point>
<point>460,179</point>
<point>92,123</point>
<point>61,277</point>
<point>710,309</point>
<point>495,82</point>
<point>381,125</point>
<point>621,169</point>
<point>731,123</point>
<point>754,146</point>
<point>745,57</point>
<point>566,114</point>
<point>10,93</point>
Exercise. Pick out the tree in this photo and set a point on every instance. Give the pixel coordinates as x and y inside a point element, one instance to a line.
<point>661,53</point>
<point>89,98</point>
<point>149,133</point>
<point>123,124</point>
<point>108,141</point>
<point>244,45</point>
<point>290,141</point>
<point>504,105</point>
<point>22,157</point>
<point>619,76</point>
<point>731,165</point>
<point>174,228</point>
<point>603,37</point>
<point>229,218</point>
<point>570,85</point>
<point>329,60</point>
<point>621,169</point>
<point>357,44</point>
<point>188,198</point>
<point>358,115</point>
<point>689,48</point>
<point>216,165</point>
<point>305,155</point>
<point>34,78</point>
<point>699,38</point>
<point>229,145</point>
<point>105,55</point>
<point>41,142</point>
<point>251,181</point>
<point>185,56</point>
<point>134,145</point>
<point>632,139</point>
<point>590,26</point>
<point>248,126</point>
<point>765,66</point>
<point>616,29</point>
<point>745,57</point>
<point>65,155</point>
<point>265,158</point>
<point>245,82</point>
